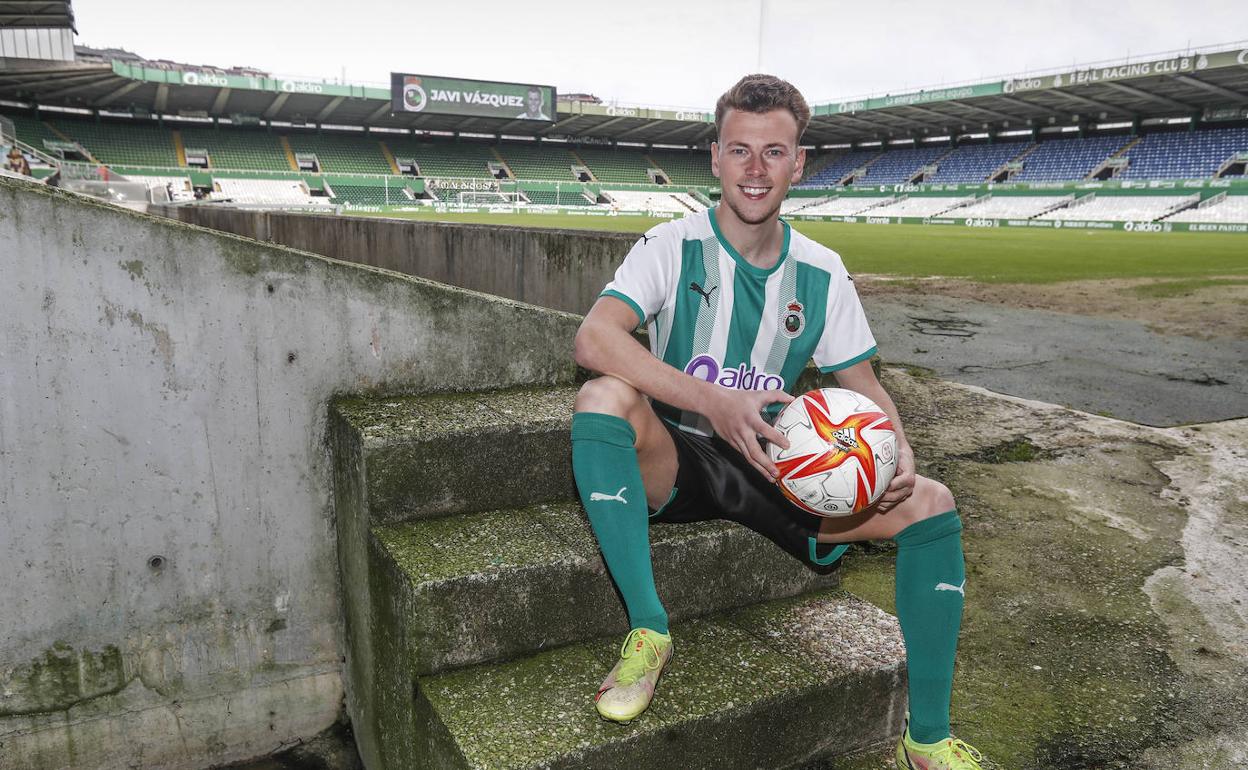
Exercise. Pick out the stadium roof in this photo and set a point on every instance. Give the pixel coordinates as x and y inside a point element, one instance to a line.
<point>1209,85</point>
<point>36,13</point>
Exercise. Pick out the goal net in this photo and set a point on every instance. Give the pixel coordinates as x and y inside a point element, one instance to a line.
<point>489,198</point>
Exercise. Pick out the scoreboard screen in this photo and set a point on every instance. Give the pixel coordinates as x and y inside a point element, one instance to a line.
<point>434,95</point>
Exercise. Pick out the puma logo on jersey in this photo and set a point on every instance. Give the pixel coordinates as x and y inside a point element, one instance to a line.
<point>647,238</point>
<point>618,496</point>
<point>951,587</point>
<point>706,295</point>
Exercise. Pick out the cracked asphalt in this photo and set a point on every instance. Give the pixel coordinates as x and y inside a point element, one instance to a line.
<point>1106,366</point>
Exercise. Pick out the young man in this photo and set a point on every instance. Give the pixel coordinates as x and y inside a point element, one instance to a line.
<point>735,301</point>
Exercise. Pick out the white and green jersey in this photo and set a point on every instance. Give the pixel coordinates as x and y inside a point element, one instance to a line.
<point>715,316</point>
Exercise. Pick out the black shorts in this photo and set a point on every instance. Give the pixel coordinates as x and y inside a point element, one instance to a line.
<point>714,481</point>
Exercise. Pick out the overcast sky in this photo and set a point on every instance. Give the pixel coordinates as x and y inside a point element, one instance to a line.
<point>680,53</point>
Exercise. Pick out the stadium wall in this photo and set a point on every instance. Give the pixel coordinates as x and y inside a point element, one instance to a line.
<point>559,269</point>
<point>171,594</point>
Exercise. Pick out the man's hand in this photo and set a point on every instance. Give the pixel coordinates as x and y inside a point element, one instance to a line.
<point>903,481</point>
<point>736,415</point>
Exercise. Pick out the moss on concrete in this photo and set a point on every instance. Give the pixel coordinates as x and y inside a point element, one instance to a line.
<point>61,678</point>
<point>728,693</point>
<point>1064,660</point>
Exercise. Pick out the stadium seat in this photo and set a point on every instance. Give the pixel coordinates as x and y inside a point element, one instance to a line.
<point>1056,160</point>
<point>1184,154</point>
<point>1120,208</point>
<point>342,153</point>
<point>972,163</point>
<point>617,165</point>
<point>538,163</point>
<point>238,149</point>
<point>1230,209</point>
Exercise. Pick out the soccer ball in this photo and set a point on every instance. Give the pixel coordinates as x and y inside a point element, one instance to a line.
<point>842,452</point>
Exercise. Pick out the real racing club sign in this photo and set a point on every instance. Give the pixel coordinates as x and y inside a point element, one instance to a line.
<point>470,98</point>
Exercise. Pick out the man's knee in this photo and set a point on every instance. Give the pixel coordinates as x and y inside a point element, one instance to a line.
<point>939,499</point>
<point>607,395</point>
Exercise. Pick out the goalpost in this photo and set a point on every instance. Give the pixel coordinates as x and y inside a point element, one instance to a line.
<point>489,198</point>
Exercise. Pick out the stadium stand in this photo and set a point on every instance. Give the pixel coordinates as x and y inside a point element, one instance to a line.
<point>835,171</point>
<point>1121,208</point>
<point>972,163</point>
<point>239,149</point>
<point>923,206</point>
<point>122,144</point>
<point>534,162</point>
<point>33,132</point>
<point>343,154</point>
<point>641,200</point>
<point>1223,208</point>
<point>900,166</point>
<point>557,198</point>
<point>1013,206</point>
<point>444,159</point>
<point>685,168</point>
<point>179,186</point>
<point>847,206</point>
<point>1065,159</point>
<point>277,191</point>
<point>794,205</point>
<point>363,191</point>
<point>1184,155</point>
<point>618,165</point>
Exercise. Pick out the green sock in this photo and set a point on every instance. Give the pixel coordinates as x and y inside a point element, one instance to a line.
<point>930,582</point>
<point>604,463</point>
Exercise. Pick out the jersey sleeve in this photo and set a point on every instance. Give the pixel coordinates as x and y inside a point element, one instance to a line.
<point>847,337</point>
<point>642,281</point>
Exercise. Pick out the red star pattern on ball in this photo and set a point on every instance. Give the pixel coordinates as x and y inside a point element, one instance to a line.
<point>838,451</point>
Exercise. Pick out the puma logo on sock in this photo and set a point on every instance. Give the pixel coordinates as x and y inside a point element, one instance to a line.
<point>618,497</point>
<point>951,587</point>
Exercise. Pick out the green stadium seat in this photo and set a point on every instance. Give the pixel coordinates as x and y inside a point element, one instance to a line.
<point>122,144</point>
<point>444,159</point>
<point>618,165</point>
<point>238,148</point>
<point>686,167</point>
<point>531,162</point>
<point>342,153</point>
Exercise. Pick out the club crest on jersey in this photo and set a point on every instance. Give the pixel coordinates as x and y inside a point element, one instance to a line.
<point>706,367</point>
<point>792,320</point>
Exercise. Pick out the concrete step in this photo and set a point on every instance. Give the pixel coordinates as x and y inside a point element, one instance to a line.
<point>488,586</point>
<point>775,685</point>
<point>432,455</point>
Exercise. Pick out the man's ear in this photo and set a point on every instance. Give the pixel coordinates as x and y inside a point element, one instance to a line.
<point>715,159</point>
<point>799,166</point>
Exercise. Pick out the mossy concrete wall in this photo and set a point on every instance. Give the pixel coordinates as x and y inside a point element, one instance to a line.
<point>170,596</point>
<point>560,269</point>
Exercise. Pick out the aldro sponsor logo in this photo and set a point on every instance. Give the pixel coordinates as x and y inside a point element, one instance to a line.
<point>1147,227</point>
<point>977,222</point>
<point>204,79</point>
<point>706,367</point>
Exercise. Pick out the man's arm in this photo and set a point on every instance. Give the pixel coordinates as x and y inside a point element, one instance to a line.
<point>605,344</point>
<point>861,378</point>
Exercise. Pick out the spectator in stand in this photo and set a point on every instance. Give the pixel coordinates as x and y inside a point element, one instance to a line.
<point>17,162</point>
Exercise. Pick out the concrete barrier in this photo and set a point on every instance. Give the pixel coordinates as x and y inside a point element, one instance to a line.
<point>170,596</point>
<point>560,269</point>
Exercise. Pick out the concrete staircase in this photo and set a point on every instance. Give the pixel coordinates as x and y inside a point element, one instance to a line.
<point>480,618</point>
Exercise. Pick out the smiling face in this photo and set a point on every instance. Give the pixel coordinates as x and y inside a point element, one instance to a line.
<point>534,102</point>
<point>756,159</point>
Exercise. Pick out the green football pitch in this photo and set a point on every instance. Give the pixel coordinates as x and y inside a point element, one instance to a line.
<point>997,255</point>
